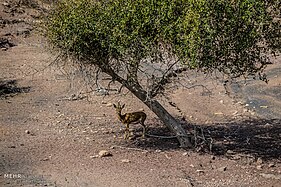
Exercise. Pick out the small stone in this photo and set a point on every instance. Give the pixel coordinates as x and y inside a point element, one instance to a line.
<point>229,152</point>
<point>109,104</point>
<point>185,153</point>
<point>103,102</point>
<point>267,125</point>
<point>213,157</point>
<point>271,165</point>
<point>259,167</point>
<point>112,147</point>
<point>6,4</point>
<point>222,168</point>
<point>200,171</point>
<point>125,161</point>
<point>221,101</point>
<point>27,132</point>
<point>259,161</point>
<point>236,157</point>
<point>191,165</point>
<point>45,159</point>
<point>95,156</point>
<point>104,153</point>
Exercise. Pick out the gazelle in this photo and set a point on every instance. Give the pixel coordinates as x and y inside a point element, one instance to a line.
<point>129,118</point>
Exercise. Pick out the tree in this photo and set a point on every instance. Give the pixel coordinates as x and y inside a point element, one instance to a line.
<point>143,44</point>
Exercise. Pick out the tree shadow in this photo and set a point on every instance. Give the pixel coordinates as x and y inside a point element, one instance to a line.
<point>9,88</point>
<point>256,137</point>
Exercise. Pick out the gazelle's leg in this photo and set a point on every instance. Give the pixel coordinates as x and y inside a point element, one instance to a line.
<point>143,129</point>
<point>127,132</point>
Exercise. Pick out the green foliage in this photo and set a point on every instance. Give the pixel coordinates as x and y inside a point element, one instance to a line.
<point>230,36</point>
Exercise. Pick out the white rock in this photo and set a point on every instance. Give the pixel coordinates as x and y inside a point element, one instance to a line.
<point>104,153</point>
<point>125,161</point>
<point>95,156</point>
<point>222,168</point>
<point>259,161</point>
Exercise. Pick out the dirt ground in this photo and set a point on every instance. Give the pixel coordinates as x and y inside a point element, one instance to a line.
<point>52,131</point>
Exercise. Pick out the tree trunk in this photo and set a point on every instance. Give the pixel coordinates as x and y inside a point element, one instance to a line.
<point>164,116</point>
<point>170,122</point>
<point>156,107</point>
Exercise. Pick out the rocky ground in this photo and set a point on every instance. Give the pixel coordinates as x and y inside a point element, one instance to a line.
<point>54,133</point>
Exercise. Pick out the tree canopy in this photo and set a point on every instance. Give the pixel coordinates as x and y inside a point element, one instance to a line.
<point>231,36</point>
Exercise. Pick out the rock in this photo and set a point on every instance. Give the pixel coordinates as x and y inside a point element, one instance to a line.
<point>6,4</point>
<point>27,132</point>
<point>259,161</point>
<point>109,104</point>
<point>95,156</point>
<point>271,165</point>
<point>229,152</point>
<point>267,125</point>
<point>236,157</point>
<point>222,168</point>
<point>125,161</point>
<point>200,171</point>
<point>185,154</point>
<point>104,153</point>
<point>259,167</point>
<point>45,159</point>
<point>191,165</point>
<point>270,176</point>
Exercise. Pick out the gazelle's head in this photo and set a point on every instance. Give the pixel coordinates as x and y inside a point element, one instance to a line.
<point>118,107</point>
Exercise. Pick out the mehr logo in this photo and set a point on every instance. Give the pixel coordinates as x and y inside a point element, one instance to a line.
<point>13,176</point>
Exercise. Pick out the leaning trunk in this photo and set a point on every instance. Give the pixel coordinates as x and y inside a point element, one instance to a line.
<point>170,122</point>
<point>156,107</point>
<point>163,115</point>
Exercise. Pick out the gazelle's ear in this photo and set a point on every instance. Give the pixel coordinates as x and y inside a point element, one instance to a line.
<point>114,106</point>
<point>123,106</point>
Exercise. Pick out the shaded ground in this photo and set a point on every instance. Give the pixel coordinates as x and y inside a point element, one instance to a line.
<point>50,138</point>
